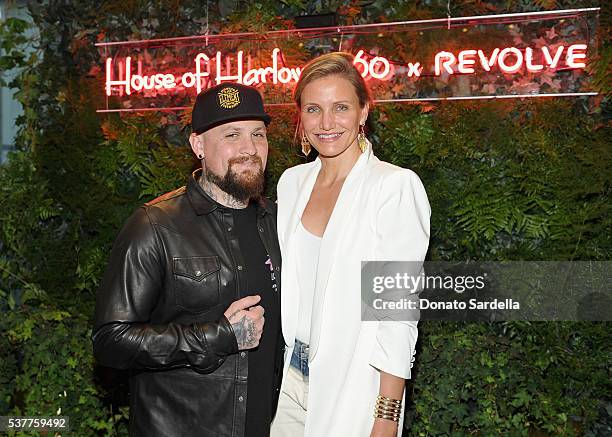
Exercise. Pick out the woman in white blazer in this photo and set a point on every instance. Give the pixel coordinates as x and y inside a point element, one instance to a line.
<point>343,376</point>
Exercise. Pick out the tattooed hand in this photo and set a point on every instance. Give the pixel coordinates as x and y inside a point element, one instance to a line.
<point>247,321</point>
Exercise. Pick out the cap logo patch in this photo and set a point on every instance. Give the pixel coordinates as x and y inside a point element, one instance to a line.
<point>229,98</point>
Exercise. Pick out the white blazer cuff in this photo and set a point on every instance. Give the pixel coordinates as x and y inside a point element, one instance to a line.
<point>394,350</point>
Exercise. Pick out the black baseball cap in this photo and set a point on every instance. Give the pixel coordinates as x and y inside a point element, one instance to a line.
<point>224,103</point>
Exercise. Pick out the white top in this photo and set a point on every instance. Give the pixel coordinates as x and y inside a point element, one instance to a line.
<point>308,246</point>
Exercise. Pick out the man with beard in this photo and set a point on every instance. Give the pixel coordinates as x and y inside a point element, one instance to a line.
<point>191,274</point>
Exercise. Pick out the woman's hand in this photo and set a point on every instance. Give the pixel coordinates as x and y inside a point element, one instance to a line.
<point>384,428</point>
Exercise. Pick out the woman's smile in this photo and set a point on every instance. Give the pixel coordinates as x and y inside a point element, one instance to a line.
<point>329,137</point>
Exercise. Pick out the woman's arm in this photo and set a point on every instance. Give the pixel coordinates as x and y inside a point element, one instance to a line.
<point>402,225</point>
<point>392,387</point>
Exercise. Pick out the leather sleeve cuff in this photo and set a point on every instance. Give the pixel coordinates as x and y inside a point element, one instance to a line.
<point>220,337</point>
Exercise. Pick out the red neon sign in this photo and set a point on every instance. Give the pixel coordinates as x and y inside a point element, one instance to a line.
<point>508,60</point>
<point>534,54</point>
<point>377,67</point>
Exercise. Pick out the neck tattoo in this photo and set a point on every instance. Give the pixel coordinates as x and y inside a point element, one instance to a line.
<point>220,196</point>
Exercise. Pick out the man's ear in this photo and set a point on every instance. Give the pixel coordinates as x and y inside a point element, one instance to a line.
<point>197,145</point>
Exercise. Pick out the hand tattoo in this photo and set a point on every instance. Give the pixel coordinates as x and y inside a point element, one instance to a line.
<point>245,331</point>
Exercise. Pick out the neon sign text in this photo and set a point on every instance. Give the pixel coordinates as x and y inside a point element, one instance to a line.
<point>134,82</point>
<point>377,67</point>
<point>509,60</point>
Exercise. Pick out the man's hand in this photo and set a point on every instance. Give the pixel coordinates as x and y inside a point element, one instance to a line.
<point>247,321</point>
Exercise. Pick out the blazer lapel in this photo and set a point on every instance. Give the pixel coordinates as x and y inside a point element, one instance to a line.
<point>336,227</point>
<point>290,300</point>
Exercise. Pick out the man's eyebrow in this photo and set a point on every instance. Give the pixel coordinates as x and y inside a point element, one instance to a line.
<point>230,128</point>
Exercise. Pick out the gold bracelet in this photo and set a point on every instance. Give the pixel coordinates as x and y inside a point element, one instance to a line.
<point>394,416</point>
<point>387,408</point>
<point>380,416</point>
<point>388,413</point>
<point>384,398</point>
<point>389,404</point>
<point>383,408</point>
<point>381,400</point>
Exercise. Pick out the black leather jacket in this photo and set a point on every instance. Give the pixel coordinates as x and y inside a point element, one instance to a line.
<point>172,273</point>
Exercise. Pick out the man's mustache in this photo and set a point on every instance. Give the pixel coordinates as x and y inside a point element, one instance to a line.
<point>243,159</point>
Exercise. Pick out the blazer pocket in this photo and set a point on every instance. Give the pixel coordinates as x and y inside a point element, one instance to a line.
<point>196,282</point>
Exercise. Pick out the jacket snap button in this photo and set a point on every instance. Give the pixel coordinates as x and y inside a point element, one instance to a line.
<point>198,273</point>
<point>260,229</point>
<point>242,354</point>
<point>239,267</point>
<point>229,229</point>
<point>240,398</point>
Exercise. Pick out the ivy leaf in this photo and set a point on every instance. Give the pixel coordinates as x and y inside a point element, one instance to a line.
<point>521,398</point>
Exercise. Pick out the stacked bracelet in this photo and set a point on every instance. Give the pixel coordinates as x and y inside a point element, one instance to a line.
<point>387,408</point>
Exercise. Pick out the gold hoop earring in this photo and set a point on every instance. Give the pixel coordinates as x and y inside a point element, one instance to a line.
<point>306,146</point>
<point>361,139</point>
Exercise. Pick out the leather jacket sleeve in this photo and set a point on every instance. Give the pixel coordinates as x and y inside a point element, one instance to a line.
<point>123,336</point>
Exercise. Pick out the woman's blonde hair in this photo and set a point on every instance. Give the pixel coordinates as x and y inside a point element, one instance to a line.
<point>332,64</point>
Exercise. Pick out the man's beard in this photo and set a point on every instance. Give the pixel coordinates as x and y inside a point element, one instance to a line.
<point>244,186</point>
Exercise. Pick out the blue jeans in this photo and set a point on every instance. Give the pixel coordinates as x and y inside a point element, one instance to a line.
<point>299,359</point>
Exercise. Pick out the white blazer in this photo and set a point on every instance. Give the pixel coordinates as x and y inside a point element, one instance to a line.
<point>382,214</point>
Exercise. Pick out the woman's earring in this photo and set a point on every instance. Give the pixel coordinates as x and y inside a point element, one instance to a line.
<point>306,147</point>
<point>200,157</point>
<point>361,139</point>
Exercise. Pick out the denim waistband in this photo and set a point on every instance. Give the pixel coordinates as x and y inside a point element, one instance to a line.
<point>299,359</point>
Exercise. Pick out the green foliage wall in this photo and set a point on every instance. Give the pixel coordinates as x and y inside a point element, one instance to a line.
<point>521,180</point>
